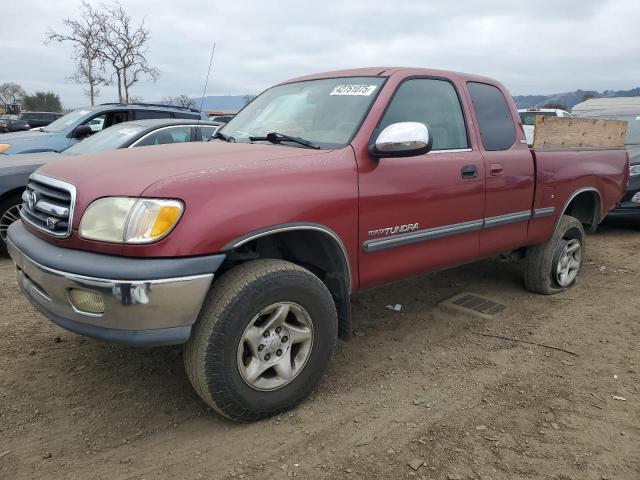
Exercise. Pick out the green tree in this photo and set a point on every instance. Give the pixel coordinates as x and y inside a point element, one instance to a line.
<point>42,102</point>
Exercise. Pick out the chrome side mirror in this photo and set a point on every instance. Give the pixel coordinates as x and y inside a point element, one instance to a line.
<point>402,139</point>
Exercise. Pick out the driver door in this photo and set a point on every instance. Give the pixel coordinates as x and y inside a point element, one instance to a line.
<point>424,212</point>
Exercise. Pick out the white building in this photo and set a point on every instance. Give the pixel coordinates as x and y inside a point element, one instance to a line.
<point>608,106</point>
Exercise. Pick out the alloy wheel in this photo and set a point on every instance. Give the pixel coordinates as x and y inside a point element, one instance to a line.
<point>275,346</point>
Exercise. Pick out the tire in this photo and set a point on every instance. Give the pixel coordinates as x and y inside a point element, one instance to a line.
<point>553,266</point>
<point>9,212</point>
<point>222,351</point>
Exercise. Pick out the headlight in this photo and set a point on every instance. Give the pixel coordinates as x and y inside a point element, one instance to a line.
<point>633,169</point>
<point>130,220</point>
<point>4,146</point>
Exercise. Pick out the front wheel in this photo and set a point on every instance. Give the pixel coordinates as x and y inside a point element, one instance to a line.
<point>263,339</point>
<point>9,213</point>
<point>554,266</point>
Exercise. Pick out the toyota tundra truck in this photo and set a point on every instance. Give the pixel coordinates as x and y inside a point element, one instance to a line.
<point>246,249</point>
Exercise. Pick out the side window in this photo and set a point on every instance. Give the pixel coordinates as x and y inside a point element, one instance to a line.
<point>205,133</point>
<point>497,129</point>
<point>146,114</point>
<point>166,135</point>
<point>188,116</point>
<point>433,102</point>
<point>113,118</point>
<point>97,123</point>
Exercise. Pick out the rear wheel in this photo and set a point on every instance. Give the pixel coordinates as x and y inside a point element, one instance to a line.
<point>9,213</point>
<point>554,266</point>
<point>263,339</point>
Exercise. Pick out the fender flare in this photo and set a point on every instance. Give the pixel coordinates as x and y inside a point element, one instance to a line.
<point>598,212</point>
<point>294,226</point>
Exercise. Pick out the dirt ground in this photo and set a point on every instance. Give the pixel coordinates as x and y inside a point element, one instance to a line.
<point>413,387</point>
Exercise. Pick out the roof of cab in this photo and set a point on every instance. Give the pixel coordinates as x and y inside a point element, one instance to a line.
<point>389,71</point>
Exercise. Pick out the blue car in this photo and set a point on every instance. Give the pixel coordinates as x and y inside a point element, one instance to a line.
<point>15,169</point>
<point>79,124</point>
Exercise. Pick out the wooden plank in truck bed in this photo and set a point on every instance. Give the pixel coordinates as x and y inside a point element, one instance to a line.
<point>559,132</point>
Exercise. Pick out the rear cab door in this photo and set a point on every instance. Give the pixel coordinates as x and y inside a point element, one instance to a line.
<point>424,212</point>
<point>509,169</point>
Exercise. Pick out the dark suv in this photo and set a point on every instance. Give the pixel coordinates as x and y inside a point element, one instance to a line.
<point>81,123</point>
<point>39,119</point>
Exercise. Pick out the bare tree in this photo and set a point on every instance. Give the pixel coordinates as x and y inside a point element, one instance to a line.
<point>248,98</point>
<point>84,35</point>
<point>11,93</point>
<point>182,100</point>
<point>91,74</point>
<point>124,46</point>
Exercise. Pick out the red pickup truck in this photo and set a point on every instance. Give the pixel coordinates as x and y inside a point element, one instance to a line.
<point>247,249</point>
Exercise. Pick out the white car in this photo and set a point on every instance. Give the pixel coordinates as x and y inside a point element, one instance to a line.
<point>528,118</point>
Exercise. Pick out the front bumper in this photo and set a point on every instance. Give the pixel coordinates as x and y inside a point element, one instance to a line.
<point>147,302</point>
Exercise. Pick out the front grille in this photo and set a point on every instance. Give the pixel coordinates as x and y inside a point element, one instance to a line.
<point>48,205</point>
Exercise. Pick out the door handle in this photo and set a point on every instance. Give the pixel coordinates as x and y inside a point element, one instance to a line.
<point>496,169</point>
<point>469,171</point>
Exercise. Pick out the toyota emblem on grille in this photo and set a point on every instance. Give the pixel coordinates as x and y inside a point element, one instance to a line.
<point>32,199</point>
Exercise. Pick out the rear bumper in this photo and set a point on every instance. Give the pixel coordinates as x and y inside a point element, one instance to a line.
<point>626,212</point>
<point>627,209</point>
<point>147,302</point>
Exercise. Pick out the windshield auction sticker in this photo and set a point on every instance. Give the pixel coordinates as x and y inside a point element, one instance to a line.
<point>364,90</point>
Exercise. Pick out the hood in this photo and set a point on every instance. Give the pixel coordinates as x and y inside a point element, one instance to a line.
<point>130,171</point>
<point>634,154</point>
<point>26,160</point>
<point>27,139</point>
<point>24,136</point>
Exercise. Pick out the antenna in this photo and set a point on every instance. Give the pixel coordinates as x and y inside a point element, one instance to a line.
<point>206,83</point>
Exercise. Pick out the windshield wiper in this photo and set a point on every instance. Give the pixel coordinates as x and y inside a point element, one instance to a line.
<point>222,136</point>
<point>275,137</point>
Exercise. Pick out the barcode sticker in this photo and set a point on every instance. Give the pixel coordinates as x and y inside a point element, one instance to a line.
<point>364,90</point>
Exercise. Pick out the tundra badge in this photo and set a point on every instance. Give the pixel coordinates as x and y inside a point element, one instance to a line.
<point>409,227</point>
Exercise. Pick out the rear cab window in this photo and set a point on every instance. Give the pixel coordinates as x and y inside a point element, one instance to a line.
<point>433,102</point>
<point>495,122</point>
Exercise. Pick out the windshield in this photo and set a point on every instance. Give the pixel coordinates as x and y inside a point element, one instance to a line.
<point>109,139</point>
<point>529,118</point>
<point>633,126</point>
<point>64,122</point>
<point>326,112</point>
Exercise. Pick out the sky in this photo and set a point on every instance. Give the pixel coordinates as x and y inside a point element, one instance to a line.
<point>533,47</point>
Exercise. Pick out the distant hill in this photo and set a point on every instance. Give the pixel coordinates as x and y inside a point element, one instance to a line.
<point>569,99</point>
